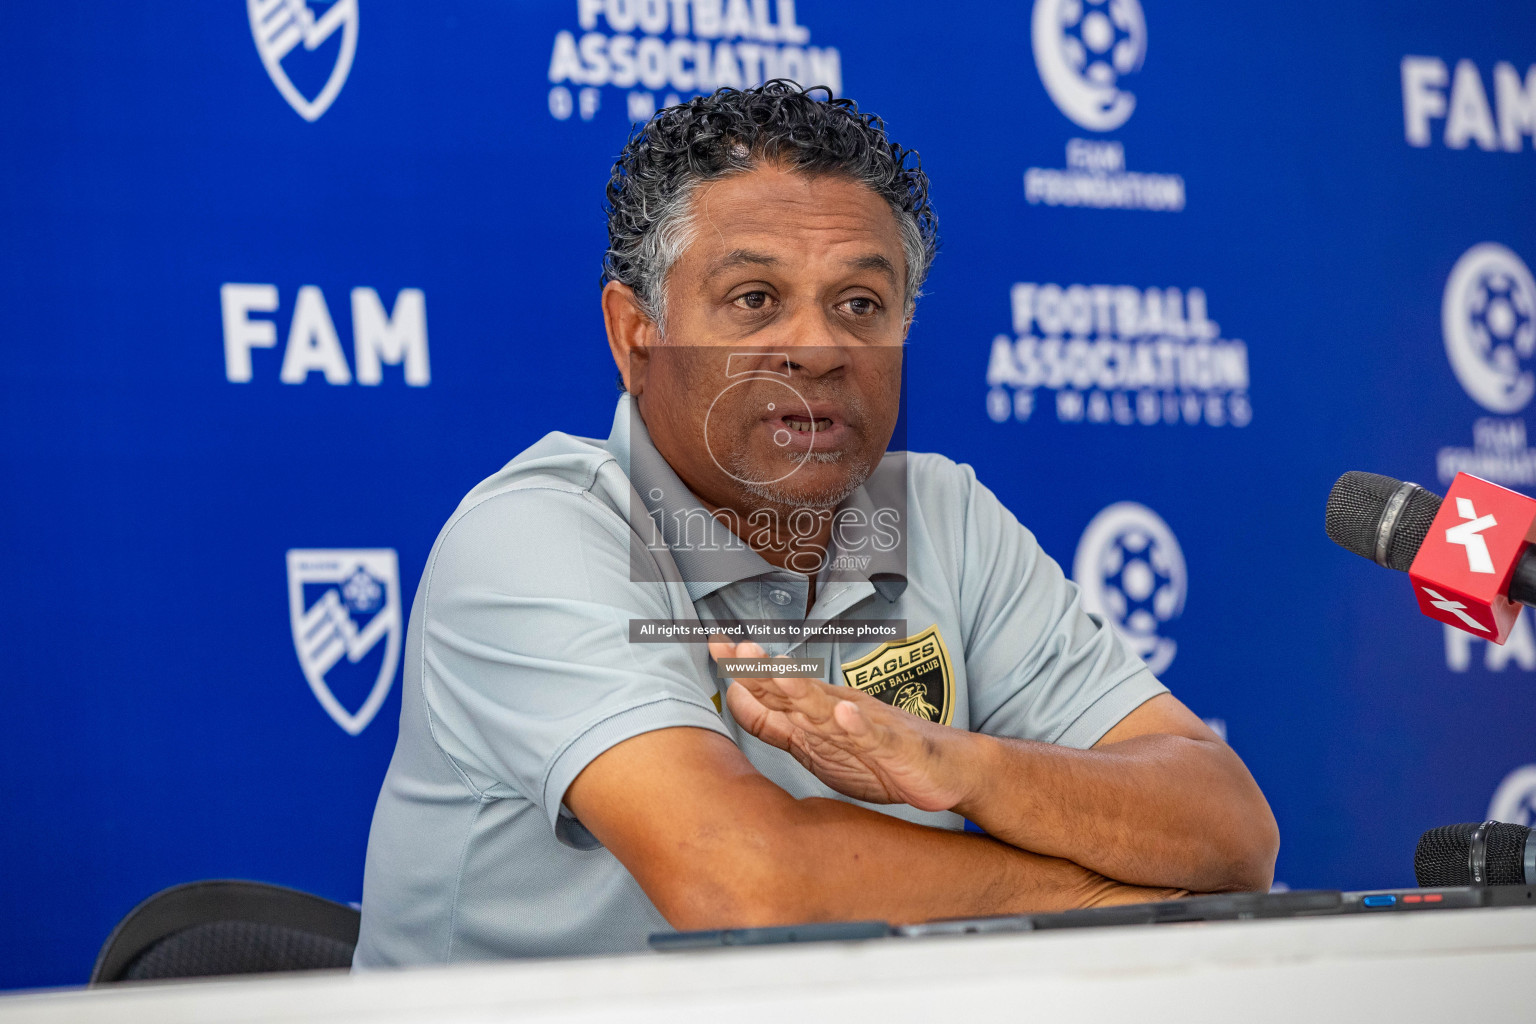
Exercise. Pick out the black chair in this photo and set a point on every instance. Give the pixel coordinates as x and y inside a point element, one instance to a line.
<point>206,929</point>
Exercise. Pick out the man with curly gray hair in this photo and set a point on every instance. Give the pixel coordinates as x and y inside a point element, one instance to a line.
<point>744,662</point>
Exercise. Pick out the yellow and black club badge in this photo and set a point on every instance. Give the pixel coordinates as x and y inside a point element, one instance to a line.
<point>911,674</point>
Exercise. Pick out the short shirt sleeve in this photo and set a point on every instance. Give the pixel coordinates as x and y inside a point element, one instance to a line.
<point>1039,666</point>
<point>528,670</point>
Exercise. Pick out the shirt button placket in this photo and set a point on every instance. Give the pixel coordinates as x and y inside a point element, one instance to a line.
<point>779,597</point>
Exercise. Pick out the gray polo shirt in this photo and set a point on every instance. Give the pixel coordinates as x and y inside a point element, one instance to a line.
<point>520,670</point>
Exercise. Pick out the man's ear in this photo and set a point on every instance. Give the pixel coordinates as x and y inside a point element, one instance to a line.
<point>631,333</point>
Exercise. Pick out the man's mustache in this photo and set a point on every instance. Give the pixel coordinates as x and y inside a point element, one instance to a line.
<point>841,403</point>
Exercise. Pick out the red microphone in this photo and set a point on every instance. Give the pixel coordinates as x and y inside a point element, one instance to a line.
<point>1469,556</point>
<point>1462,572</point>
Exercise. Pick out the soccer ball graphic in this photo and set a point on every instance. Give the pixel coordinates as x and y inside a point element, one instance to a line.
<point>1502,321</point>
<point>1130,570</point>
<point>1083,48</point>
<point>1515,799</point>
<point>1102,39</point>
<point>1488,319</point>
<point>1139,587</point>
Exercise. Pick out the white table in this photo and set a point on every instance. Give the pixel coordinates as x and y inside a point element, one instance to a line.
<point>1377,969</point>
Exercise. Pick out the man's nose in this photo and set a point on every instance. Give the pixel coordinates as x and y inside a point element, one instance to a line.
<point>812,346</point>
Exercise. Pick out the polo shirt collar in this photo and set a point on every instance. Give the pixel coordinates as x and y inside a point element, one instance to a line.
<point>887,570</point>
<point>714,557</point>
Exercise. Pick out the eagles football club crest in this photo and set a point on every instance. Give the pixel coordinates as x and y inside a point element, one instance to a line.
<point>341,603</point>
<point>279,26</point>
<point>912,674</point>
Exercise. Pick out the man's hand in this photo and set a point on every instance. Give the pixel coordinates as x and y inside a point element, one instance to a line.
<point>857,745</point>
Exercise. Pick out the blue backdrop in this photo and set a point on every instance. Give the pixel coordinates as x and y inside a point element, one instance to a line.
<point>1197,261</point>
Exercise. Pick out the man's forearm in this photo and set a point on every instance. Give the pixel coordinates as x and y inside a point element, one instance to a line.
<point>838,861</point>
<point>1151,810</point>
<point>1159,801</point>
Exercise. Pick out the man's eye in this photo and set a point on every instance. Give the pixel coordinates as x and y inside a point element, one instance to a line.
<point>862,306</point>
<point>752,300</point>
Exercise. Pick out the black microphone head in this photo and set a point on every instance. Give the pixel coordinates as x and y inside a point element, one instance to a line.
<point>1359,502</point>
<point>1443,856</point>
<point>1506,853</point>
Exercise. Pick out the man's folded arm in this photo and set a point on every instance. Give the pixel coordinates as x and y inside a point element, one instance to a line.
<point>1159,799</point>
<point>715,844</point>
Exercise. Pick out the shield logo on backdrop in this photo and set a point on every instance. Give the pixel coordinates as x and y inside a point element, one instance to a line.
<point>341,603</point>
<point>280,26</point>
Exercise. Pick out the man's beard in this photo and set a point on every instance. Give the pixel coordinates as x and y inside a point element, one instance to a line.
<point>782,494</point>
